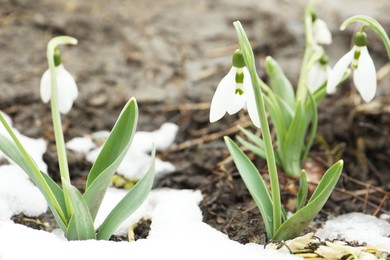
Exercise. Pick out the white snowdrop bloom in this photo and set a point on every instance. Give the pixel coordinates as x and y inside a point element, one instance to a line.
<point>66,85</point>
<point>321,33</point>
<point>364,76</point>
<point>235,92</point>
<point>318,74</point>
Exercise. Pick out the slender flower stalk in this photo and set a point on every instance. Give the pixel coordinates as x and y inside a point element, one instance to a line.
<point>269,151</point>
<point>58,133</point>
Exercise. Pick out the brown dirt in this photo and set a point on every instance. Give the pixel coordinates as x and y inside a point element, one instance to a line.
<point>171,55</point>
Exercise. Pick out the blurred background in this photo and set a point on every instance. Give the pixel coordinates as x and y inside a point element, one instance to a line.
<point>168,50</point>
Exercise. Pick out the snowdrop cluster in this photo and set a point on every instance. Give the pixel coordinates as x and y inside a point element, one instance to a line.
<point>293,113</point>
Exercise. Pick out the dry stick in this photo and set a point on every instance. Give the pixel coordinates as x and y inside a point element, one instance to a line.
<point>208,138</point>
<point>382,72</point>
<point>186,106</point>
<point>380,205</point>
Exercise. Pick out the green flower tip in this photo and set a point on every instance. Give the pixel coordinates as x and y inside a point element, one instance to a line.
<point>324,60</point>
<point>360,39</point>
<point>238,59</point>
<point>313,17</point>
<point>57,57</point>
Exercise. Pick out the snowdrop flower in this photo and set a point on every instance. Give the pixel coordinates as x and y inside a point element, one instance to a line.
<point>364,76</point>
<point>318,74</point>
<point>66,85</point>
<point>234,92</point>
<point>321,33</point>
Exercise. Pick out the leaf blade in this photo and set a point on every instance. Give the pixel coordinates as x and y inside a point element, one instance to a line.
<point>254,183</point>
<point>295,225</point>
<point>81,223</point>
<point>130,203</point>
<point>110,157</point>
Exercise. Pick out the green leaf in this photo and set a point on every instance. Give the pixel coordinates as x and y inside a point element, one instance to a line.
<point>44,183</point>
<point>279,82</point>
<point>311,118</point>
<point>303,190</point>
<point>293,143</point>
<point>110,157</point>
<point>277,119</point>
<point>257,145</point>
<point>130,203</point>
<point>251,147</point>
<point>81,223</point>
<point>295,225</point>
<point>254,183</point>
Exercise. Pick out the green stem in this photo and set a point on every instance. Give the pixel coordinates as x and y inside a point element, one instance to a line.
<point>373,24</point>
<point>269,151</point>
<point>309,51</point>
<point>58,133</point>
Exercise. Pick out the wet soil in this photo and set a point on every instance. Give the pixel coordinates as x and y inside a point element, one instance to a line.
<point>171,55</point>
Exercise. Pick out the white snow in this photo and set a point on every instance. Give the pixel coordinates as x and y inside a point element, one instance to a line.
<point>137,160</point>
<point>18,194</point>
<point>177,230</point>
<point>35,147</point>
<point>359,227</point>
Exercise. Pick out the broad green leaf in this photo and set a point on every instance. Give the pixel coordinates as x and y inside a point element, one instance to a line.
<point>45,184</point>
<point>303,190</point>
<point>254,183</point>
<point>110,157</point>
<point>279,82</point>
<point>130,203</point>
<point>81,223</point>
<point>295,225</point>
<point>293,143</point>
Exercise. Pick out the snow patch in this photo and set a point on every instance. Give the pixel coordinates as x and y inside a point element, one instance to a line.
<point>137,160</point>
<point>18,194</point>
<point>359,227</point>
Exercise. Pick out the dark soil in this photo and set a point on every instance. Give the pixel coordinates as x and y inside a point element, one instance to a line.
<point>171,55</point>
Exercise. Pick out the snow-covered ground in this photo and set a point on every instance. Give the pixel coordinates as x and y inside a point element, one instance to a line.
<point>177,230</point>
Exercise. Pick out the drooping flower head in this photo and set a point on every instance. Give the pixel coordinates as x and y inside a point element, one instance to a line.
<point>321,33</point>
<point>66,86</point>
<point>364,76</point>
<point>318,74</point>
<point>235,92</point>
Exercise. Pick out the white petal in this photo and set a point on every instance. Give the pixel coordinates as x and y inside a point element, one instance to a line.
<point>250,99</point>
<point>223,96</point>
<point>338,71</point>
<point>321,33</point>
<point>45,86</point>
<point>365,76</point>
<point>251,107</point>
<point>317,76</point>
<point>236,104</point>
<point>67,89</point>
